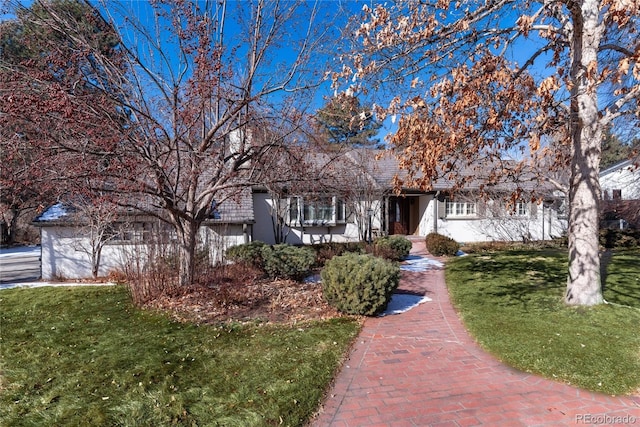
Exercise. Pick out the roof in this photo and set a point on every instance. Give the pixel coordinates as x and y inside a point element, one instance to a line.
<point>236,209</point>
<point>386,166</point>
<point>618,166</point>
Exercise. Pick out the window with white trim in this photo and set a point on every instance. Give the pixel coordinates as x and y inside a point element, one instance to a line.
<point>522,209</point>
<point>454,209</point>
<point>317,211</point>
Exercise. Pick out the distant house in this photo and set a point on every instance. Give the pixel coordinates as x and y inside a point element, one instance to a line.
<point>620,182</point>
<point>620,185</point>
<point>354,199</point>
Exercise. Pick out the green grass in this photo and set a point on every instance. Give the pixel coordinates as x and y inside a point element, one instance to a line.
<point>86,356</point>
<point>511,302</point>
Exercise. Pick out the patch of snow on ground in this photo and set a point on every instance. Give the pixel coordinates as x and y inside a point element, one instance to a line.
<point>19,251</point>
<point>401,303</point>
<point>314,278</point>
<point>417,263</point>
<point>50,284</point>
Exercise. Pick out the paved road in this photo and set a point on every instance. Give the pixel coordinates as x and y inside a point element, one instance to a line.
<point>19,264</point>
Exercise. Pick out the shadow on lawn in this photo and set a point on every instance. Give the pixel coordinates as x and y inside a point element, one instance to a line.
<point>520,277</point>
<point>620,279</point>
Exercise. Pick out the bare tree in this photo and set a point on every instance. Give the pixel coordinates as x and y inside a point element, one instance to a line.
<point>193,84</point>
<point>480,83</point>
<point>96,226</point>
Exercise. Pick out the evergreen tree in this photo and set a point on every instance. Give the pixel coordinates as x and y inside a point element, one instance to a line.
<point>614,150</point>
<point>343,120</point>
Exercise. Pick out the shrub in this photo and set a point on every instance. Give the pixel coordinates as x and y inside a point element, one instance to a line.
<point>326,251</point>
<point>248,253</point>
<point>616,238</point>
<point>287,261</point>
<point>395,248</point>
<point>440,245</point>
<point>359,283</point>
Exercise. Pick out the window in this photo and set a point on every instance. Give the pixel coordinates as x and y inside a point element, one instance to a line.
<point>214,213</point>
<point>316,211</point>
<point>617,194</point>
<point>460,209</point>
<point>128,232</point>
<point>522,209</point>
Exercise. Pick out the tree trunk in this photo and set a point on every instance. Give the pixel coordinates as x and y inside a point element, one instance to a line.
<point>95,260</point>
<point>187,237</point>
<point>583,282</point>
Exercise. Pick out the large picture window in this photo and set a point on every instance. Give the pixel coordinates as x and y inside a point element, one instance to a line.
<point>460,209</point>
<point>316,211</point>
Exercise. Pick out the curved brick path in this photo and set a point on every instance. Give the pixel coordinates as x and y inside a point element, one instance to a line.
<point>421,368</point>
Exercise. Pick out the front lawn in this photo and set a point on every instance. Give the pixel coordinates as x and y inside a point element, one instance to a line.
<point>86,356</point>
<point>511,301</point>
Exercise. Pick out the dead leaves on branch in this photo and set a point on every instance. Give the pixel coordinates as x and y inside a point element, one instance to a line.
<point>474,114</point>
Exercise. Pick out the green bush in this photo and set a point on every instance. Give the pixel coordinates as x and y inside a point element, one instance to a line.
<point>359,284</point>
<point>395,248</point>
<point>616,238</point>
<point>287,262</point>
<point>440,245</point>
<point>249,253</point>
<point>326,251</point>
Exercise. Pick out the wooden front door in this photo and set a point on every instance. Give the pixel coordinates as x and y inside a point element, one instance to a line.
<point>399,215</point>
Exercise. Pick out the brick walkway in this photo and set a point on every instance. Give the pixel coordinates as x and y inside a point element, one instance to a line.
<point>421,368</point>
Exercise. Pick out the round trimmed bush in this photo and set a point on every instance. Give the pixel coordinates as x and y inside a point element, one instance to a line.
<point>395,248</point>
<point>249,253</point>
<point>440,245</point>
<point>287,261</point>
<point>359,284</point>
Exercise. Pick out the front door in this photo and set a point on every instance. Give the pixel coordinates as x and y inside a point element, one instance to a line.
<point>399,215</point>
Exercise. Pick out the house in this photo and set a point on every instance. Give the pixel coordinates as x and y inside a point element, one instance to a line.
<point>345,213</point>
<point>621,181</point>
<point>74,240</point>
<point>336,197</point>
<point>620,185</point>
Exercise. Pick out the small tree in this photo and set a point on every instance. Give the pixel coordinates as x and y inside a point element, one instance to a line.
<point>96,226</point>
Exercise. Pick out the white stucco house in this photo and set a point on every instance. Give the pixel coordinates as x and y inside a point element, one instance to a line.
<point>620,186</point>
<point>621,182</point>
<point>353,201</point>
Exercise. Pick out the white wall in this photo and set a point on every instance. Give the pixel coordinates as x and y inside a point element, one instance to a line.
<point>65,251</point>
<point>263,227</point>
<point>542,225</point>
<point>65,254</point>
<point>625,178</point>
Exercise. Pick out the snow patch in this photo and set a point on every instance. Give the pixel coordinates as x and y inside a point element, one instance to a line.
<point>418,263</point>
<point>401,303</point>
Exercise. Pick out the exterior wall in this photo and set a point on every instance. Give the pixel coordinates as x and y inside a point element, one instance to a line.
<point>544,224</point>
<point>296,235</point>
<point>65,254</point>
<point>623,178</point>
<point>218,238</point>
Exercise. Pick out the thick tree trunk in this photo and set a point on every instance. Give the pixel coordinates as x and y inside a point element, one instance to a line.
<point>584,283</point>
